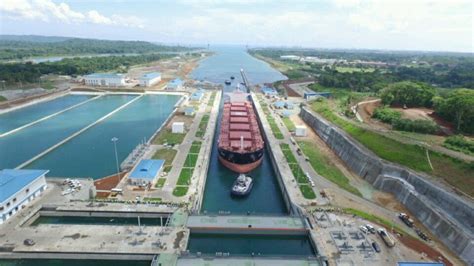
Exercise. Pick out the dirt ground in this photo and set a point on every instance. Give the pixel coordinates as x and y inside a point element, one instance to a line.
<point>386,200</point>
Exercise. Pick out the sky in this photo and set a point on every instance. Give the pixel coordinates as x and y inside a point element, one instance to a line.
<point>432,25</point>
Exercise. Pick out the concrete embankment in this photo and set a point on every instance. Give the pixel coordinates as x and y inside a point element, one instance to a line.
<point>448,216</point>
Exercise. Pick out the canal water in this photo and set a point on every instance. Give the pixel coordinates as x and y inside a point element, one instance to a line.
<point>23,116</point>
<point>266,195</point>
<point>23,145</point>
<point>91,154</point>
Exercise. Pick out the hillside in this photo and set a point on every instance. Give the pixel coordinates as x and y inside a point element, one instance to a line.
<point>19,47</point>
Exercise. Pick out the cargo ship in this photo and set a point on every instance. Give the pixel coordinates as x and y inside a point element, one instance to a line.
<point>240,143</point>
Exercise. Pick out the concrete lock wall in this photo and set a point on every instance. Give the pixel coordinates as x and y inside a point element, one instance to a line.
<point>448,216</point>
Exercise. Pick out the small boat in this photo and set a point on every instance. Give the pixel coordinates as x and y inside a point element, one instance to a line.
<point>232,77</point>
<point>242,185</point>
<point>227,82</point>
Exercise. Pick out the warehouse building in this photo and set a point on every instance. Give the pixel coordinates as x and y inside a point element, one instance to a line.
<point>175,84</point>
<point>149,79</point>
<point>105,79</point>
<point>18,188</point>
<point>146,172</point>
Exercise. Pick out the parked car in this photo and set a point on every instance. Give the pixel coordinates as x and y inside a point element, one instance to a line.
<point>363,229</point>
<point>370,228</point>
<point>376,247</point>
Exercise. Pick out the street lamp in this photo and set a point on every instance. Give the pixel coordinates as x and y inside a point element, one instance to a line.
<point>114,140</point>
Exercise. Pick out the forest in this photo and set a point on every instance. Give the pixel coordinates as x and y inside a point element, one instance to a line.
<point>30,72</point>
<point>20,47</point>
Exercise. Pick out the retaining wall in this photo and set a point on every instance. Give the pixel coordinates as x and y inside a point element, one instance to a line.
<point>448,216</point>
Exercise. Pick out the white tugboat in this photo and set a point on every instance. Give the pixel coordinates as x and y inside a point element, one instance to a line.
<point>242,185</point>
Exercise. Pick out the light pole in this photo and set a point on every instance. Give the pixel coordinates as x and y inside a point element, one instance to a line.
<point>114,140</point>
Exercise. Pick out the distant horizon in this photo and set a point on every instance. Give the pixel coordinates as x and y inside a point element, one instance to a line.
<point>393,25</point>
<point>204,45</point>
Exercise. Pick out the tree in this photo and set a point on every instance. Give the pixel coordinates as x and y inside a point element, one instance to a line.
<point>458,108</point>
<point>408,93</point>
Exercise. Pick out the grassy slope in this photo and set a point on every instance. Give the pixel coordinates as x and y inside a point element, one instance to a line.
<point>457,173</point>
<point>325,167</point>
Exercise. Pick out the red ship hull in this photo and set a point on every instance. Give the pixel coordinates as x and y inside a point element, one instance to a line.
<point>240,168</point>
<point>241,146</point>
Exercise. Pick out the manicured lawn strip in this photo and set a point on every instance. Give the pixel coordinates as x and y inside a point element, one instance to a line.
<point>202,126</point>
<point>288,123</point>
<point>167,168</point>
<point>185,176</point>
<point>191,160</point>
<point>324,166</point>
<point>166,136</point>
<point>211,99</point>
<point>152,199</point>
<point>195,149</point>
<point>271,121</point>
<point>456,172</point>
<point>298,173</point>
<point>180,191</point>
<point>307,192</point>
<point>160,183</point>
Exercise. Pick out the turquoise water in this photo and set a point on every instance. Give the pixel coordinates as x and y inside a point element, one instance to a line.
<point>91,154</point>
<point>23,116</point>
<point>98,220</point>
<point>44,262</point>
<point>23,145</point>
<point>228,60</point>
<point>266,195</point>
<point>248,244</point>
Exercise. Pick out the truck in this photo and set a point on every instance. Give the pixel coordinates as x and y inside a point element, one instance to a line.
<point>389,241</point>
<point>406,219</point>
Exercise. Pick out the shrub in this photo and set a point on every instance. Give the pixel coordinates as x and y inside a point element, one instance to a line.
<point>419,125</point>
<point>386,115</point>
<point>459,143</point>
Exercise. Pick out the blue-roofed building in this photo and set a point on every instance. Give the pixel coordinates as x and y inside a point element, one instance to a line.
<point>105,79</point>
<point>149,79</point>
<point>279,104</point>
<point>175,84</point>
<point>189,110</point>
<point>145,172</point>
<point>197,95</point>
<point>18,188</point>
<point>267,91</point>
<point>314,95</point>
<point>289,105</point>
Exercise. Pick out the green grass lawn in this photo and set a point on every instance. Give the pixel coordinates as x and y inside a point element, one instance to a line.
<point>457,173</point>
<point>160,183</point>
<point>195,149</point>
<point>166,136</point>
<point>202,126</point>
<point>271,121</point>
<point>324,166</point>
<point>211,99</point>
<point>152,199</point>
<point>185,176</point>
<point>307,191</point>
<point>165,154</point>
<point>298,173</point>
<point>191,160</point>
<point>288,123</point>
<point>180,191</point>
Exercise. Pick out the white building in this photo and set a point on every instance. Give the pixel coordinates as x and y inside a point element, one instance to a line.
<point>290,57</point>
<point>105,79</point>
<point>177,127</point>
<point>149,79</point>
<point>300,131</point>
<point>18,188</point>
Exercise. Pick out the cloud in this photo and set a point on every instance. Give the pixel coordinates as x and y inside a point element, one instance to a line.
<point>47,10</point>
